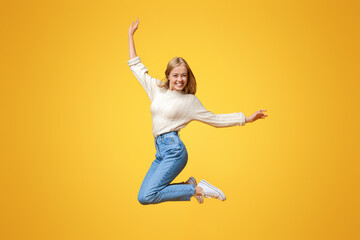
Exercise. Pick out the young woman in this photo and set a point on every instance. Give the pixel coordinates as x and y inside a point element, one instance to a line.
<point>173,106</point>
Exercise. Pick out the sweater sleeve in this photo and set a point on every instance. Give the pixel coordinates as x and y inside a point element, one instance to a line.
<point>141,73</point>
<point>199,113</point>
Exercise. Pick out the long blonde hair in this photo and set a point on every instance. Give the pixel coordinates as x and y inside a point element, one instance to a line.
<point>191,82</point>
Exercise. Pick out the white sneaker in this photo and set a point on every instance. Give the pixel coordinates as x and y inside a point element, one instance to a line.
<point>192,181</point>
<point>209,191</point>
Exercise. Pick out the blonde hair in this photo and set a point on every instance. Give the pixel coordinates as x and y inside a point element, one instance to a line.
<point>190,86</point>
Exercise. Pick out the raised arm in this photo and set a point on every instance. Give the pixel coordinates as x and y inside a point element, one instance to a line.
<point>132,29</point>
<point>138,68</point>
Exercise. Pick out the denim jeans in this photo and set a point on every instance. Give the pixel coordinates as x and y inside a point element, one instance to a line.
<point>171,158</point>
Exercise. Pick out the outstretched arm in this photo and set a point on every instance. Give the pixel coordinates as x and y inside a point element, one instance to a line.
<point>200,113</point>
<point>132,30</point>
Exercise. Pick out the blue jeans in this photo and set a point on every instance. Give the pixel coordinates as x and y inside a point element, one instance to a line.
<point>171,158</point>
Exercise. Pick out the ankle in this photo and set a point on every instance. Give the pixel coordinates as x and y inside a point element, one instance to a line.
<point>198,191</point>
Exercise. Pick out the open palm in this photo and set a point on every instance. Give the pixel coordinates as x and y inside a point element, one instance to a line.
<point>256,115</point>
<point>133,27</point>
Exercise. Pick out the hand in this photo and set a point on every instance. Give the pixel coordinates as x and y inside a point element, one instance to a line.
<point>256,115</point>
<point>133,27</point>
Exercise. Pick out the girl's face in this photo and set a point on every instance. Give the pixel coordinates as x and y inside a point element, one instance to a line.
<point>178,78</point>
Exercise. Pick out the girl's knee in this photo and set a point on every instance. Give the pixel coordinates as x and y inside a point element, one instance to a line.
<point>142,200</point>
<point>145,199</point>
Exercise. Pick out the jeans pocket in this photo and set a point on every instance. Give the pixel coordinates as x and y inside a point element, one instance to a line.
<point>170,140</point>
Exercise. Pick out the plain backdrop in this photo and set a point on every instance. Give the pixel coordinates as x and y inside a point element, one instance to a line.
<point>76,132</point>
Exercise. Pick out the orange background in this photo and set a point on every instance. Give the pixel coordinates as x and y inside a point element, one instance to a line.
<point>76,137</point>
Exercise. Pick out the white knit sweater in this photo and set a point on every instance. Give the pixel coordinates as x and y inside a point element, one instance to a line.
<point>172,110</point>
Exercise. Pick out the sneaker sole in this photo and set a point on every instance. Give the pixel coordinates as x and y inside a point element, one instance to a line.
<point>223,198</point>
<point>192,181</point>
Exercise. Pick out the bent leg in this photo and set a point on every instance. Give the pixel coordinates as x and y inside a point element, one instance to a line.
<point>145,183</point>
<point>158,188</point>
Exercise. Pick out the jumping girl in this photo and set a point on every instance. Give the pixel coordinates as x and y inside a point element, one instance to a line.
<point>173,106</point>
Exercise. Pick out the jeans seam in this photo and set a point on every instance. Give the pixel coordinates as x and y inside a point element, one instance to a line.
<point>176,191</point>
<point>161,193</point>
<point>168,171</point>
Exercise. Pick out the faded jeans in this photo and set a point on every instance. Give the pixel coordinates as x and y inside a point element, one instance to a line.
<point>171,158</point>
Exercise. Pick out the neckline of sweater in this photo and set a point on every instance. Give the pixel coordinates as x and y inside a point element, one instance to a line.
<point>174,91</point>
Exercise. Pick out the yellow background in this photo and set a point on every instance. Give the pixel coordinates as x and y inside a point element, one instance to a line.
<point>76,137</point>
